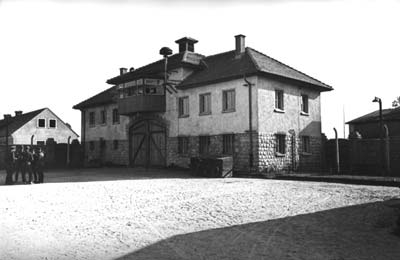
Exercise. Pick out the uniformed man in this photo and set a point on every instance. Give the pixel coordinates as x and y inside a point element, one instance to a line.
<point>10,166</point>
<point>19,164</point>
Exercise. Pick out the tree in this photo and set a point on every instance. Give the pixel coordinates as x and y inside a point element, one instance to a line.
<point>396,102</point>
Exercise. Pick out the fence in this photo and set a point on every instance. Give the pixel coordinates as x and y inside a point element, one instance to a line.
<point>56,155</point>
<point>364,156</point>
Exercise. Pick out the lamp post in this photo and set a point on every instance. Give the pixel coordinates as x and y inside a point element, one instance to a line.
<point>376,99</point>
<point>165,52</point>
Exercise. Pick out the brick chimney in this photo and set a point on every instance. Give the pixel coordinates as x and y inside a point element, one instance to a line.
<point>18,113</point>
<point>122,71</point>
<point>186,44</point>
<point>240,45</point>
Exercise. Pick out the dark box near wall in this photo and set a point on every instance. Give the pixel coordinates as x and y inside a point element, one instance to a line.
<point>215,166</point>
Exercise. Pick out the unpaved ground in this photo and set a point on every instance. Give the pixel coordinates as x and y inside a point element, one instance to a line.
<point>174,216</point>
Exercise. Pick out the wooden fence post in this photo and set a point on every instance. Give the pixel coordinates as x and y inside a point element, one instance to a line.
<point>387,150</point>
<point>337,152</point>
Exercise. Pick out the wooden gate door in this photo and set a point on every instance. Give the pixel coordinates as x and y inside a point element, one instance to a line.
<point>148,146</point>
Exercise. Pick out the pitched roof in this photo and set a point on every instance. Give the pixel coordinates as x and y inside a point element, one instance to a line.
<point>104,97</point>
<point>215,68</point>
<point>228,65</point>
<point>390,114</point>
<point>17,122</point>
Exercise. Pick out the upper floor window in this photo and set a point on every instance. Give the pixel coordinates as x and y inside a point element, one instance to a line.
<point>183,145</point>
<point>280,142</point>
<point>228,100</point>
<point>228,143</point>
<point>205,104</point>
<point>304,104</point>
<point>52,123</point>
<point>279,100</point>
<point>183,106</point>
<point>305,142</point>
<point>41,123</point>
<point>91,119</point>
<point>204,144</point>
<point>103,117</point>
<point>115,116</point>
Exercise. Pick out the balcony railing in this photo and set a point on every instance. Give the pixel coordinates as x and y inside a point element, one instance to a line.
<point>143,103</point>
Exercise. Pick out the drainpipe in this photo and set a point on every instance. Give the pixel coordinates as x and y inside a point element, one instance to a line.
<point>32,139</point>
<point>68,149</point>
<point>337,152</point>
<point>249,84</point>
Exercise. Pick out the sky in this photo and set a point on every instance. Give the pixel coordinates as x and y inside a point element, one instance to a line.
<point>57,53</point>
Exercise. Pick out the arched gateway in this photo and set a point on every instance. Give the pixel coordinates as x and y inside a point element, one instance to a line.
<point>147,143</point>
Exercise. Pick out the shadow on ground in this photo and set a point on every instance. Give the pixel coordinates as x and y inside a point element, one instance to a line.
<point>107,174</point>
<point>354,232</point>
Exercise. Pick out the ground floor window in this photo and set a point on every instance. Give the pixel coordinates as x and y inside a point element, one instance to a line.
<point>228,143</point>
<point>91,145</point>
<point>204,144</point>
<point>280,141</point>
<point>305,141</point>
<point>183,145</point>
<point>115,144</point>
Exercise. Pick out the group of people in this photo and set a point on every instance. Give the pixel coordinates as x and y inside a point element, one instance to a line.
<point>27,162</point>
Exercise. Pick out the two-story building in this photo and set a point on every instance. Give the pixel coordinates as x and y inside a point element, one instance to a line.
<point>241,103</point>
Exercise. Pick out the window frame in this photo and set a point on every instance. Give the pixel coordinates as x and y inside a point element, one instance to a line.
<point>305,144</point>
<point>228,144</point>
<point>55,123</point>
<point>38,124</point>
<point>181,107</point>
<point>228,109</point>
<point>115,116</point>
<point>92,115</point>
<point>103,117</point>
<point>202,103</point>
<point>204,147</point>
<point>280,147</point>
<point>279,96</point>
<point>305,106</point>
<point>183,145</point>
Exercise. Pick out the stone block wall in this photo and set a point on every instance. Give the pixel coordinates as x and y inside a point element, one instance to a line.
<point>108,155</point>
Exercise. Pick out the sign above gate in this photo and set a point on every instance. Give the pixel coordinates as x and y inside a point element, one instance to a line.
<point>141,82</point>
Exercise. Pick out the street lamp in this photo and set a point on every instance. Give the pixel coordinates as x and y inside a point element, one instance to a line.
<point>376,99</point>
<point>165,52</point>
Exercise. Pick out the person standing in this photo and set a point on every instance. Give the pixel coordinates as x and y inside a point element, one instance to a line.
<point>10,166</point>
<point>28,158</point>
<point>19,164</point>
<point>39,165</point>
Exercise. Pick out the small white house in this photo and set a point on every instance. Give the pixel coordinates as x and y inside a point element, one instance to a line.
<point>35,128</point>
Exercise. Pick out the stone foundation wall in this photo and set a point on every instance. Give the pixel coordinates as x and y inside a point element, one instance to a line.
<point>108,155</point>
<point>311,162</point>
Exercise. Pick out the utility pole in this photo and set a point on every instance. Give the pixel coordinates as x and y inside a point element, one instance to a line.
<point>249,84</point>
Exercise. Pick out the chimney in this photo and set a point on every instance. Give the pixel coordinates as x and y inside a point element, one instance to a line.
<point>240,46</point>
<point>122,71</point>
<point>186,44</point>
<point>18,113</point>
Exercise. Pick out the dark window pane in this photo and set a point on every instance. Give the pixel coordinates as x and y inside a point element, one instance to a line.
<point>41,123</point>
<point>204,144</point>
<point>228,143</point>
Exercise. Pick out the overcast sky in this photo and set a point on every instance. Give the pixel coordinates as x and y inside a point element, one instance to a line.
<point>57,53</point>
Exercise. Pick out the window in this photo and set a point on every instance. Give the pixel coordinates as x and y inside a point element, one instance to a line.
<point>228,143</point>
<point>41,122</point>
<point>115,144</point>
<point>91,119</point>
<point>228,100</point>
<point>204,144</point>
<point>183,145</point>
<point>183,106</point>
<point>115,116</point>
<point>205,104</point>
<point>280,143</point>
<point>102,143</point>
<point>304,104</point>
<point>305,141</point>
<point>91,145</point>
<point>279,100</point>
<point>52,123</point>
<point>103,117</point>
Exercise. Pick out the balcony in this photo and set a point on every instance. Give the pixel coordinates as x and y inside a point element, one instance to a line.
<point>145,103</point>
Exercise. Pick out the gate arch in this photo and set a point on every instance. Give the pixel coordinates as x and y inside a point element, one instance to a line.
<point>147,143</point>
